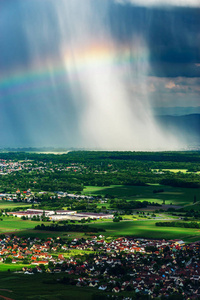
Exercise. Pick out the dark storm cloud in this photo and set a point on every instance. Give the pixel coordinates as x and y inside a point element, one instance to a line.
<point>172,36</point>
<point>13,49</point>
<point>16,17</point>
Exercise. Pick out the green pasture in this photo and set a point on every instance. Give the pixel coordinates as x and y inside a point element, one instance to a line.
<point>45,234</point>
<point>106,205</point>
<point>14,224</point>
<point>172,170</point>
<point>41,287</point>
<point>147,229</point>
<point>151,200</point>
<point>13,267</point>
<point>176,171</point>
<point>12,205</point>
<point>195,206</point>
<point>174,195</point>
<point>76,252</point>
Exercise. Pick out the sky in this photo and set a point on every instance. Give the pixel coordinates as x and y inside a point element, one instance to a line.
<point>93,74</point>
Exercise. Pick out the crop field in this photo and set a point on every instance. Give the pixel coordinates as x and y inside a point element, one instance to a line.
<point>147,229</point>
<point>12,267</point>
<point>176,171</point>
<point>172,170</point>
<point>131,226</point>
<point>45,234</point>
<point>39,287</point>
<point>14,224</point>
<point>174,195</point>
<point>195,206</point>
<point>12,205</point>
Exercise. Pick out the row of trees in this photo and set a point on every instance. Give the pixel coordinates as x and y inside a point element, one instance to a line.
<point>178,224</point>
<point>68,227</point>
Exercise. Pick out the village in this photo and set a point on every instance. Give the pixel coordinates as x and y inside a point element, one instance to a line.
<point>148,267</point>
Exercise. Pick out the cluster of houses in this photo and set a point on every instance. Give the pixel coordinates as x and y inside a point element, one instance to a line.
<point>8,166</point>
<point>147,267</point>
<point>29,196</point>
<point>57,215</point>
<point>73,196</point>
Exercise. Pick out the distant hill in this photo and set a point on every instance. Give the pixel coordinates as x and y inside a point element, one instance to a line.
<point>176,110</point>
<point>187,126</point>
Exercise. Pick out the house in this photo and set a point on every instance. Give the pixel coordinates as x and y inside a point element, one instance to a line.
<point>93,284</point>
<point>116,289</point>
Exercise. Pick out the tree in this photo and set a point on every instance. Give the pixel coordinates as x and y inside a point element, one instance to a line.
<point>8,260</point>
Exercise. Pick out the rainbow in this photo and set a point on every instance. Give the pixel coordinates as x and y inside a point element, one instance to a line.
<point>41,76</point>
<point>98,56</point>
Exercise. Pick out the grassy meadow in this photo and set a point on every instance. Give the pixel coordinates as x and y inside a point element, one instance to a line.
<point>148,229</point>
<point>131,226</point>
<point>172,170</point>
<point>15,225</point>
<point>174,195</point>
<point>13,205</point>
<point>39,287</point>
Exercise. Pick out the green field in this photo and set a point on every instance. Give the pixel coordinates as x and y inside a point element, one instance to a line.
<point>137,228</point>
<point>14,224</point>
<point>174,195</point>
<point>147,229</point>
<point>19,286</point>
<point>176,171</point>
<point>12,205</point>
<point>12,267</point>
<point>172,170</point>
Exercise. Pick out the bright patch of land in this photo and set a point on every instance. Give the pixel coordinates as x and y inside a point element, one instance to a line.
<point>172,170</point>
<point>13,205</point>
<point>13,224</point>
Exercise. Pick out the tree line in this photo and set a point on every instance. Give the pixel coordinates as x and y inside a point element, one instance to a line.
<point>179,224</point>
<point>68,227</point>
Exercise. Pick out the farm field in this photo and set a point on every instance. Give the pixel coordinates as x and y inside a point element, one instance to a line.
<point>176,171</point>
<point>172,170</point>
<point>38,287</point>
<point>4,267</point>
<point>45,234</point>
<point>131,226</point>
<point>147,229</point>
<point>13,205</point>
<point>174,195</point>
<point>13,224</point>
<point>137,228</point>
